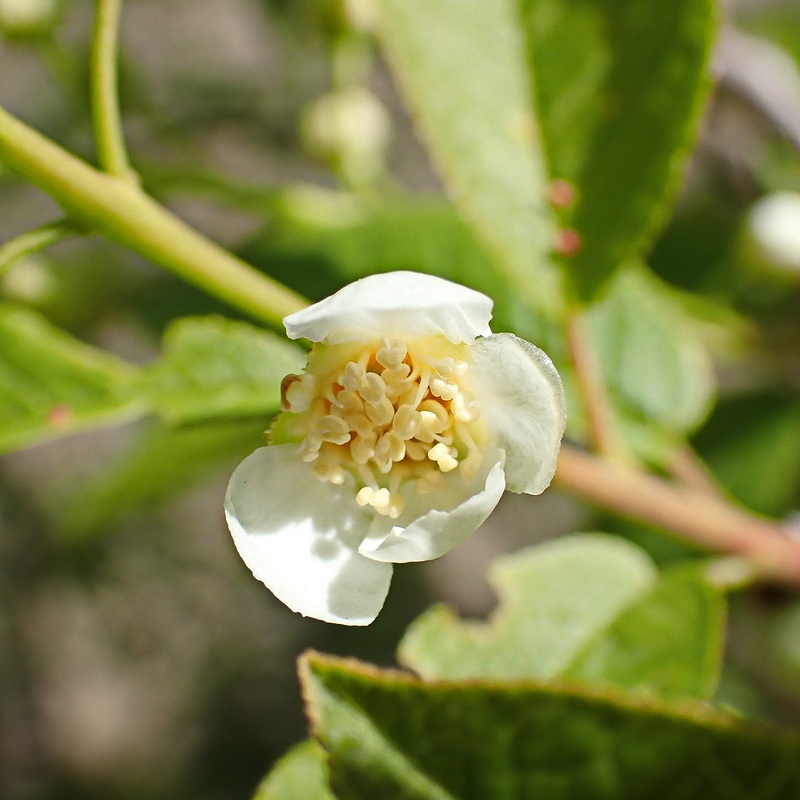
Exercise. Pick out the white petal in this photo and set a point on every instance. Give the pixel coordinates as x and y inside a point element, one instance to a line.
<point>440,520</point>
<point>395,304</point>
<point>299,536</point>
<point>522,400</point>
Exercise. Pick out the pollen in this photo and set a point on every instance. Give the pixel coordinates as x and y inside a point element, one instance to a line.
<point>384,415</point>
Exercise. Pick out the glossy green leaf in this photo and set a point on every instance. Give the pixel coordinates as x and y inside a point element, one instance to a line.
<point>588,607</point>
<point>668,643</point>
<point>300,775</point>
<point>619,88</point>
<point>462,67</point>
<point>215,367</point>
<point>390,735</point>
<point>554,598</point>
<point>51,384</point>
<point>654,365</point>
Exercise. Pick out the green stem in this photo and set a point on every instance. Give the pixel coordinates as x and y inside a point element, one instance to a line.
<point>33,241</point>
<point>111,151</point>
<point>120,210</point>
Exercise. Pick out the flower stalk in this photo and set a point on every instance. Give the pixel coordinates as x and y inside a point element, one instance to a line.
<point>121,211</point>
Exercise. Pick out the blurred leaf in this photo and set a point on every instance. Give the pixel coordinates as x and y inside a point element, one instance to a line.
<point>162,462</point>
<point>655,367</point>
<point>553,599</point>
<point>389,735</point>
<point>751,445</point>
<point>588,607</point>
<point>669,642</point>
<point>619,87</point>
<point>337,242</point>
<point>52,384</point>
<point>462,67</point>
<point>215,367</point>
<point>300,775</point>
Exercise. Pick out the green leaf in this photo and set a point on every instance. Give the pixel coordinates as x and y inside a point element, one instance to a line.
<point>332,239</point>
<point>751,445</point>
<point>588,607</point>
<point>300,775</point>
<point>619,88</point>
<point>390,735</point>
<point>461,65</point>
<point>669,642</point>
<point>161,463</point>
<point>553,599</point>
<point>215,367</point>
<point>655,367</point>
<point>51,384</point>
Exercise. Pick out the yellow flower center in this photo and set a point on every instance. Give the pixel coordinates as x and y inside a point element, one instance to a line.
<point>386,413</point>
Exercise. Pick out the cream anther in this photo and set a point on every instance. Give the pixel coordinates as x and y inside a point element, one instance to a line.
<point>362,448</point>
<point>393,355</point>
<point>360,423</point>
<point>390,446</point>
<point>443,389</point>
<point>380,413</point>
<point>298,392</point>
<point>373,389</point>
<point>390,405</point>
<point>444,456</point>
<point>378,499</point>
<point>406,421</point>
<point>333,429</point>
<point>352,377</point>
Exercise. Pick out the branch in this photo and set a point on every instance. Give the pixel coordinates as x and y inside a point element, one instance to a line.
<point>599,417</point>
<point>699,518</point>
<point>121,211</point>
<point>111,151</point>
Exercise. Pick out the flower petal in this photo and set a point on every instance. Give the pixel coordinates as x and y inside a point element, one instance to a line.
<point>394,304</point>
<point>523,403</point>
<point>299,536</point>
<point>440,520</point>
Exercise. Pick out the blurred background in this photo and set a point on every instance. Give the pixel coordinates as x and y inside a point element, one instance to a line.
<point>138,656</point>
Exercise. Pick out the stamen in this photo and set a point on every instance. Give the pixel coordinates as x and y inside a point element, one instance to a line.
<point>390,416</point>
<point>333,429</point>
<point>362,448</point>
<point>406,421</point>
<point>444,456</point>
<point>373,389</point>
<point>352,377</point>
<point>382,412</point>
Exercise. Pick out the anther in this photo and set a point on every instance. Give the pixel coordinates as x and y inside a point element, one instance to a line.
<point>381,412</point>
<point>443,389</point>
<point>373,389</point>
<point>443,456</point>
<point>406,421</point>
<point>362,448</point>
<point>393,355</point>
<point>333,429</point>
<point>298,392</point>
<point>351,379</point>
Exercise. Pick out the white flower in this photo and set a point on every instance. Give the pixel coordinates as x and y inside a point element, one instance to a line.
<point>394,446</point>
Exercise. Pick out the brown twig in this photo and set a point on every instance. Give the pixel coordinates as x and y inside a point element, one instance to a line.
<point>599,417</point>
<point>689,469</point>
<point>707,521</point>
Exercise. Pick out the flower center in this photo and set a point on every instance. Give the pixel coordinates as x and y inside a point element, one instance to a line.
<point>386,413</point>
